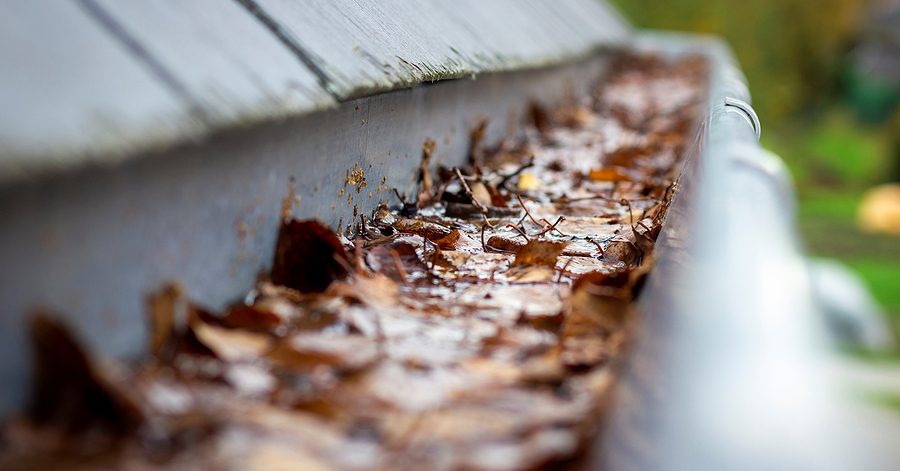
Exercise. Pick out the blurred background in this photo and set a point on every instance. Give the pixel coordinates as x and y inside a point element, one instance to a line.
<point>825,80</point>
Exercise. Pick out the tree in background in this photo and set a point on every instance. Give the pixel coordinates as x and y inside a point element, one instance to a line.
<point>789,49</point>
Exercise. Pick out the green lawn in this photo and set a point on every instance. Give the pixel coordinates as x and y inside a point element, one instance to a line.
<point>834,159</point>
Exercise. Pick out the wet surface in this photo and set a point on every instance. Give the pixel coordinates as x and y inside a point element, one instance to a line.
<point>475,326</point>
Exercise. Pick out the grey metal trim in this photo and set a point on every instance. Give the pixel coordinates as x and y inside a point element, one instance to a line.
<point>729,366</point>
<point>747,111</point>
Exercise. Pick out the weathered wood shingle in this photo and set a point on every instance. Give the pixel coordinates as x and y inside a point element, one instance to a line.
<point>101,80</point>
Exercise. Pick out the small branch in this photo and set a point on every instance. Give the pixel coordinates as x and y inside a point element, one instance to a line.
<point>520,231</point>
<point>519,170</point>
<point>471,195</point>
<point>398,262</point>
<point>527,212</point>
<point>599,247</point>
<point>563,270</point>
<point>553,226</point>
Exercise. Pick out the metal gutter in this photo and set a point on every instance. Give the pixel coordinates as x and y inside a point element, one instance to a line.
<point>729,368</point>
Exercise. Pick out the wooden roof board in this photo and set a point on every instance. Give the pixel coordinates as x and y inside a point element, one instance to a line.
<point>70,92</point>
<point>369,46</point>
<point>229,63</point>
<point>98,81</point>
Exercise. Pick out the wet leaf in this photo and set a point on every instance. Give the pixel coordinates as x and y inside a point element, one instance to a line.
<point>308,257</point>
<point>596,309</point>
<point>608,174</point>
<point>449,241</point>
<point>309,351</point>
<point>474,332</point>
<point>540,252</point>
<point>69,391</point>
<point>622,251</point>
<point>528,182</point>
<point>231,344</point>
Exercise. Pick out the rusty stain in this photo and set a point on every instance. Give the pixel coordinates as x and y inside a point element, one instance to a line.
<point>287,203</point>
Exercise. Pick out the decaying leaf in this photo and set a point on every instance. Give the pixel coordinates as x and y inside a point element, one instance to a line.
<point>608,174</point>
<point>528,182</point>
<point>471,329</point>
<point>309,351</point>
<point>167,311</point>
<point>424,179</point>
<point>308,256</point>
<point>231,344</point>
<point>69,391</point>
<point>596,309</point>
<point>449,241</point>
<point>540,252</point>
<point>622,251</point>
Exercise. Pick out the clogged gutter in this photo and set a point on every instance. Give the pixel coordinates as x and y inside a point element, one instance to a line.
<point>475,327</point>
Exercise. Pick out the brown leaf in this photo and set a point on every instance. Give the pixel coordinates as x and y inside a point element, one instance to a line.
<point>539,117</point>
<point>545,368</point>
<point>502,243</point>
<point>596,309</point>
<point>231,344</point>
<point>449,241</point>
<point>539,252</point>
<point>308,256</point>
<point>163,308</point>
<point>69,391</point>
<point>423,178</point>
<point>395,260</point>
<point>307,351</point>
<point>261,317</point>
<point>608,174</point>
<point>622,251</point>
<point>624,156</point>
<point>481,194</point>
<point>375,290</point>
<point>426,229</point>
<point>170,313</point>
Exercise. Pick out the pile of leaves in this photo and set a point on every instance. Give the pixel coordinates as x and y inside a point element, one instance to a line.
<point>473,327</point>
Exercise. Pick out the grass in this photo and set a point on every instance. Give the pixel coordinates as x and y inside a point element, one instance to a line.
<point>827,222</point>
<point>883,278</point>
<point>834,159</point>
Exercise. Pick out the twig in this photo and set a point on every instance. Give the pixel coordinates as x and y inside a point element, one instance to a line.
<point>399,196</point>
<point>488,248</point>
<point>357,254</point>
<point>520,231</point>
<point>486,221</point>
<point>399,263</point>
<point>625,202</point>
<point>553,226</point>
<point>567,200</point>
<point>425,243</point>
<point>633,224</point>
<point>599,247</point>
<point>527,212</point>
<point>475,201</point>
<point>519,170</point>
<point>563,270</point>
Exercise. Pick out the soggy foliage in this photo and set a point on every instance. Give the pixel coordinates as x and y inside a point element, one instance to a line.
<point>475,327</point>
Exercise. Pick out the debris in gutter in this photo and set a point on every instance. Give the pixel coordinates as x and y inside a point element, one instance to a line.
<point>480,319</point>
